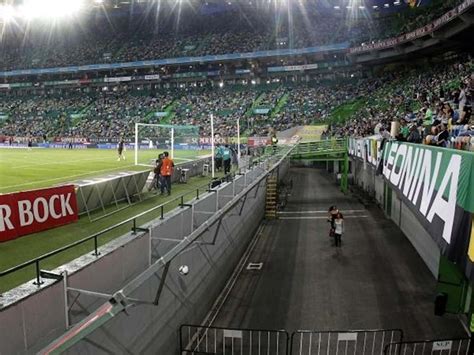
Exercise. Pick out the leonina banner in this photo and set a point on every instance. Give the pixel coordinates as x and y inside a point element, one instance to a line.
<point>29,212</point>
<point>435,181</point>
<point>437,184</point>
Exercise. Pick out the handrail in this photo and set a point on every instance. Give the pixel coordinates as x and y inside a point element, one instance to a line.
<point>36,261</point>
<point>100,233</point>
<point>330,145</point>
<point>120,299</point>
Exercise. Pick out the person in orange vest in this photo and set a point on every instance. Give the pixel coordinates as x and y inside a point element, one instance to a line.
<point>166,172</point>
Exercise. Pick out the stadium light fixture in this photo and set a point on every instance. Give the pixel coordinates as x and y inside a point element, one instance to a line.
<point>32,9</point>
<point>386,5</point>
<point>337,7</point>
<point>7,13</point>
<point>361,7</point>
<point>375,7</point>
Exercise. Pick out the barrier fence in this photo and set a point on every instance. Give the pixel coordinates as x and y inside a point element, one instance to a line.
<point>447,346</point>
<point>328,146</point>
<point>232,341</point>
<point>355,342</point>
<point>218,340</point>
<point>33,266</point>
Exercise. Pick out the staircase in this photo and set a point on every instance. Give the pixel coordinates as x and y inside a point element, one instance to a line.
<point>271,198</point>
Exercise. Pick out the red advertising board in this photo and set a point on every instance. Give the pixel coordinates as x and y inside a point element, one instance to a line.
<point>258,141</point>
<point>29,212</point>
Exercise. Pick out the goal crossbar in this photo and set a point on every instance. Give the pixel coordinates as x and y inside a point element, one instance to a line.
<point>172,129</point>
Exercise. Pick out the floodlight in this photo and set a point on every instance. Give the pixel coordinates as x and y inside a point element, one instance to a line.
<point>337,7</point>
<point>50,8</point>
<point>253,82</point>
<point>221,84</point>
<point>7,13</point>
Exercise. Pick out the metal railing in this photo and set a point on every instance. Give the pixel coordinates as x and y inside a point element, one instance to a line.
<point>178,201</point>
<point>160,211</point>
<point>195,339</point>
<point>458,346</point>
<point>120,300</point>
<point>328,146</point>
<point>357,342</point>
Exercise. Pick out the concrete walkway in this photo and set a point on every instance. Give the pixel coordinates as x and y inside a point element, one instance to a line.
<point>375,280</point>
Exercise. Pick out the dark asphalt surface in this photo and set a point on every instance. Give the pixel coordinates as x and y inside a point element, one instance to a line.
<point>375,280</point>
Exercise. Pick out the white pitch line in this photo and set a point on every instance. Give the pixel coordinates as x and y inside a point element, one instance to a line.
<point>319,217</point>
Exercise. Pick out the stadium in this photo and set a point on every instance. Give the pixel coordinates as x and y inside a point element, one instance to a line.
<point>279,177</point>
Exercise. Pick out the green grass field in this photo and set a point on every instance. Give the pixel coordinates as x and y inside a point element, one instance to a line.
<point>21,170</point>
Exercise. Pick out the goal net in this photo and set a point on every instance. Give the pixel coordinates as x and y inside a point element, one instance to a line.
<point>181,142</point>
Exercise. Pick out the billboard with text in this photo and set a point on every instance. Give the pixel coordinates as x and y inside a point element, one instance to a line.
<point>28,212</point>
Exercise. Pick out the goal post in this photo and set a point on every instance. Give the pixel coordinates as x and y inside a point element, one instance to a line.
<point>181,142</point>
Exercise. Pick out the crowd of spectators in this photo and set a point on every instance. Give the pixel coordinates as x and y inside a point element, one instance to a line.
<point>39,116</point>
<point>107,115</point>
<point>431,106</point>
<point>233,31</point>
<point>423,106</point>
<point>194,108</point>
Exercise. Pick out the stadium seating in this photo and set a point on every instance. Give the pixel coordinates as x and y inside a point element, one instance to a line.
<point>424,99</point>
<point>104,113</point>
<point>123,40</point>
<point>404,97</point>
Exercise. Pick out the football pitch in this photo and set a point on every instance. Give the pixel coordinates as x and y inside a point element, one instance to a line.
<point>22,169</point>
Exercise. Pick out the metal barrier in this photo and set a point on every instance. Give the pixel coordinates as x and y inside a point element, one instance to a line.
<point>441,346</point>
<point>121,300</point>
<point>329,146</point>
<point>215,340</point>
<point>355,342</point>
<point>134,222</point>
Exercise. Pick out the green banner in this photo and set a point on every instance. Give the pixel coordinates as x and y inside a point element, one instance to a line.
<point>437,184</point>
<point>446,171</point>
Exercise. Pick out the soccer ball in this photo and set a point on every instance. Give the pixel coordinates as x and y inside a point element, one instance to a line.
<point>183,270</point>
